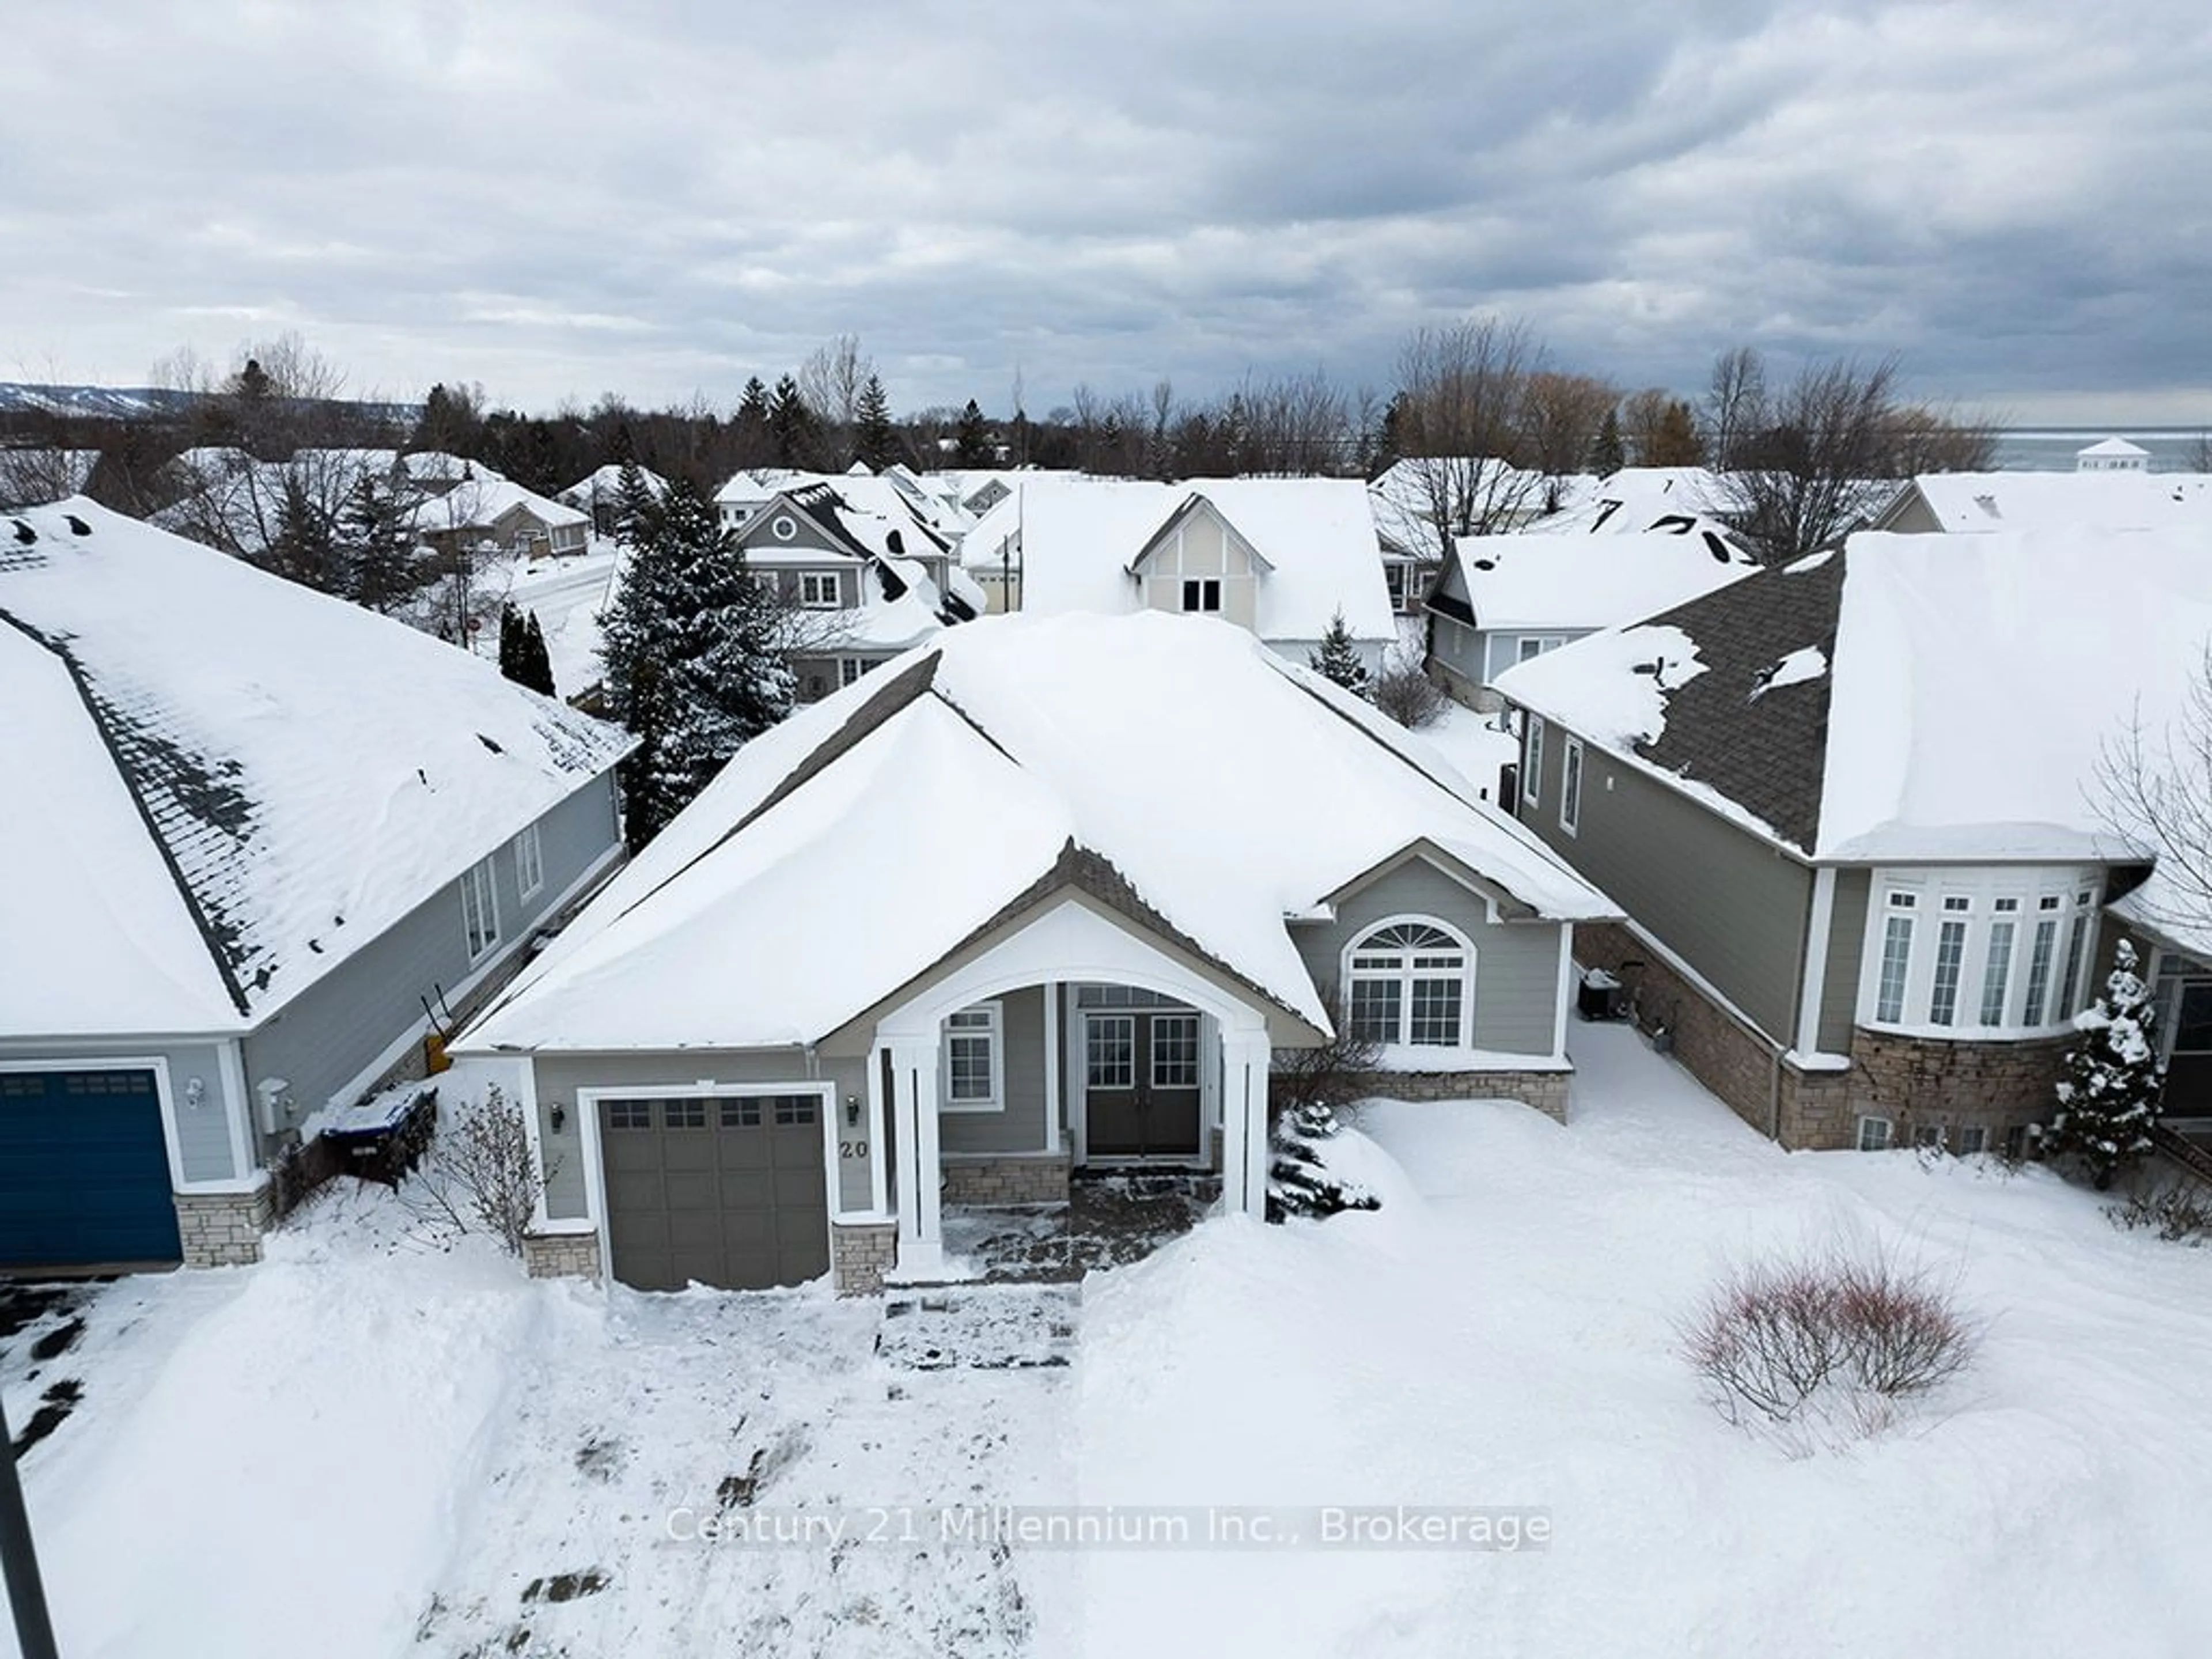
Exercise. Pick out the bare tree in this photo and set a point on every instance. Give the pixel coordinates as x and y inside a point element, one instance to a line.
<point>1462,408</point>
<point>1292,426</point>
<point>830,381</point>
<point>1735,401</point>
<point>1564,413</point>
<point>2152,789</point>
<point>1816,465</point>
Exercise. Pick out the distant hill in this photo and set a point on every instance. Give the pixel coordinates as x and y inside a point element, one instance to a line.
<point>115,403</point>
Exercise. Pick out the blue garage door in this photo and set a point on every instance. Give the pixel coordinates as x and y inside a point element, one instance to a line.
<point>83,1175</point>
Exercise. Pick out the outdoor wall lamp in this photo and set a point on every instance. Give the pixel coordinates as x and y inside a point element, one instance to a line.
<point>195,1093</point>
<point>852,1111</point>
<point>558,1117</point>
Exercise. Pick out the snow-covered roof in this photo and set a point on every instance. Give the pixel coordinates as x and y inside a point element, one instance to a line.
<point>479,503</point>
<point>1912,697</point>
<point>1046,728</point>
<point>1973,501</point>
<point>311,771</point>
<point>1638,499</point>
<point>993,542</point>
<point>605,483</point>
<point>2114,447</point>
<point>764,483</point>
<point>1532,581</point>
<point>1403,498</point>
<point>1081,542</point>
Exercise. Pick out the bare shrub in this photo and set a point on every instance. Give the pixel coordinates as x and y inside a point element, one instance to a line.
<point>1827,1340</point>
<point>2180,1212</point>
<point>1407,696</point>
<point>482,1175</point>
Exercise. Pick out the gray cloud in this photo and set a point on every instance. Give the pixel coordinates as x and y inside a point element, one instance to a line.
<point>558,201</point>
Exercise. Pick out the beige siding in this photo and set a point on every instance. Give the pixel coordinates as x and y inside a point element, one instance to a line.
<point>1517,970</point>
<point>1732,907</point>
<point>1201,547</point>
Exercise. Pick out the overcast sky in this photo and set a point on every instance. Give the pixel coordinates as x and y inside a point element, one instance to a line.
<point>557,199</point>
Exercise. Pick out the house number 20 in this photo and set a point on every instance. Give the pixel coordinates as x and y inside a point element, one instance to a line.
<point>852,1149</point>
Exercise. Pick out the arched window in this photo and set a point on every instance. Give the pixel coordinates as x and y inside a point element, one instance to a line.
<point>1410,981</point>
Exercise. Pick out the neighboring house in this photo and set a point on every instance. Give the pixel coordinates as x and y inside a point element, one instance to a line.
<point>861,577</point>
<point>817,1010</point>
<point>599,496</point>
<point>1850,805</point>
<point>1972,502</point>
<point>1422,504</point>
<point>1639,501</point>
<point>747,493</point>
<point>1503,599</point>
<point>499,513</point>
<point>250,831</point>
<point>991,554</point>
<point>1280,556</point>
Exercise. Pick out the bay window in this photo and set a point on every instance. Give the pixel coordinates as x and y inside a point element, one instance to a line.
<point>2001,949</point>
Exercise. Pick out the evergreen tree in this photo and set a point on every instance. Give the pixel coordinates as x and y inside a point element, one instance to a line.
<point>695,666</point>
<point>1338,659</point>
<point>2109,1081</point>
<point>874,436</point>
<point>380,550</point>
<point>637,506</point>
<point>510,642</point>
<point>533,662</point>
<point>971,439</point>
<point>793,433</point>
<point>1676,442</point>
<point>1608,453</point>
<point>306,546</point>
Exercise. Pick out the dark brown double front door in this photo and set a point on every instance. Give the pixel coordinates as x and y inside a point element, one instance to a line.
<point>1140,1071</point>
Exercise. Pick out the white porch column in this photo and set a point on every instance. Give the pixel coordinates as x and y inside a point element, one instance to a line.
<point>1245,1055</point>
<point>921,1221</point>
<point>1053,1066</point>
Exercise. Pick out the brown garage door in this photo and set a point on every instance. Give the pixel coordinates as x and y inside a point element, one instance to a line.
<point>724,1190</point>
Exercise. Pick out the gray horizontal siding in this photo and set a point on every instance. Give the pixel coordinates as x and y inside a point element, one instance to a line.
<point>1020,1127</point>
<point>1730,906</point>
<point>1839,991</point>
<point>561,1078</point>
<point>1517,973</point>
<point>326,1036</point>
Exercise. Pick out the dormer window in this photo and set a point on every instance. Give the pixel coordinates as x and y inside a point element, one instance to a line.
<point>1202,596</point>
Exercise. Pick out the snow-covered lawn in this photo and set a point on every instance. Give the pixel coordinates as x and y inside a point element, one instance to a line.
<point>1474,745</point>
<point>365,1447</point>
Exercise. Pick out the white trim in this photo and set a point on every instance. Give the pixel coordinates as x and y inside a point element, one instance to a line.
<point>1859,1129</point>
<point>1052,1067</point>
<point>1462,1038</point>
<point>1566,992</point>
<point>165,1105</point>
<point>230,1060</point>
<point>528,837</point>
<point>994,1033</point>
<point>1571,785</point>
<point>481,879</point>
<point>879,1168</point>
<point>1980,886</point>
<point>1816,958</point>
<point>1532,760</point>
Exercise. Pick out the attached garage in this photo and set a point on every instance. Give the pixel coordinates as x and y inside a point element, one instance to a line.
<point>84,1171</point>
<point>728,1189</point>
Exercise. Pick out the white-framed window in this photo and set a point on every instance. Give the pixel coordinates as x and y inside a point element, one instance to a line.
<point>1973,1139</point>
<point>1532,772</point>
<point>479,910</point>
<point>1109,1051</point>
<point>1571,787</point>
<point>975,1059</point>
<point>1202,594</point>
<point>850,669</point>
<point>785,527</point>
<point>529,862</point>
<point>1875,1134</point>
<point>1995,948</point>
<point>1175,1051</point>
<point>817,589</point>
<point>1929,1137</point>
<point>1410,981</point>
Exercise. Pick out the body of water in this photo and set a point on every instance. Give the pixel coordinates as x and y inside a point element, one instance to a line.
<point>2052,449</point>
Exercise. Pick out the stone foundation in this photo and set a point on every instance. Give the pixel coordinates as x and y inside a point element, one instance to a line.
<point>860,1255</point>
<point>1915,1082</point>
<point>562,1256</point>
<point>1005,1177</point>
<point>223,1230</point>
<point>1545,1090</point>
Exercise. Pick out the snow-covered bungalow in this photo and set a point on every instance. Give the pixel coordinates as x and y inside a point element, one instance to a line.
<point>249,831</point>
<point>861,575</point>
<point>1850,806</point>
<point>819,1008</point>
<point>1969,503</point>
<point>598,495</point>
<point>1503,599</point>
<point>497,512</point>
<point>1280,556</point>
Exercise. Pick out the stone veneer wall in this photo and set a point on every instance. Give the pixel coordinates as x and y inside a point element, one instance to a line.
<point>223,1230</point>
<point>1005,1177</point>
<point>860,1255</point>
<point>1915,1082</point>
<point>562,1256</point>
<point>1545,1090</point>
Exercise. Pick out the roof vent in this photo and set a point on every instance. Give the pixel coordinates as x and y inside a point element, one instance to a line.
<point>1719,548</point>
<point>1674,524</point>
<point>77,526</point>
<point>24,532</point>
<point>1486,564</point>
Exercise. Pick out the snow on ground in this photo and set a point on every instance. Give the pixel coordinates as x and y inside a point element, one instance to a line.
<point>1474,745</point>
<point>568,595</point>
<point>403,1450</point>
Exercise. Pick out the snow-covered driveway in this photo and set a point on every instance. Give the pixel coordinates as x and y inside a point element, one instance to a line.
<point>362,1447</point>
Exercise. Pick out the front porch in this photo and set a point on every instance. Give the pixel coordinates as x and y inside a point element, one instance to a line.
<point>1108,1219</point>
